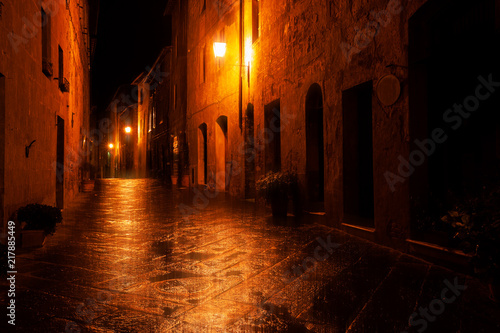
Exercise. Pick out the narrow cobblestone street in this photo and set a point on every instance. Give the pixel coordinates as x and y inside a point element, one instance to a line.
<point>125,260</point>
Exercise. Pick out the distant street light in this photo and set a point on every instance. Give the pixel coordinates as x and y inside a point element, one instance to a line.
<point>111,146</point>
<point>128,129</point>
<point>220,49</point>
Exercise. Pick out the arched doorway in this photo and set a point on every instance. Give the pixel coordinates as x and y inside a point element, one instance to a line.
<point>453,54</point>
<point>249,153</point>
<point>202,154</point>
<point>315,170</point>
<point>221,174</point>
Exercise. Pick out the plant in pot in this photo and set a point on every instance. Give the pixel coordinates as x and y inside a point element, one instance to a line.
<point>476,222</point>
<point>276,188</point>
<point>37,221</point>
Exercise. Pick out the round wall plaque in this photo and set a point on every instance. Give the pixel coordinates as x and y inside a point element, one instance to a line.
<point>388,90</point>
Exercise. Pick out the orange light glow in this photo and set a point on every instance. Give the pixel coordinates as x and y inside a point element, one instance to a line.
<point>128,129</point>
<point>248,50</point>
<point>220,49</point>
<point>111,146</point>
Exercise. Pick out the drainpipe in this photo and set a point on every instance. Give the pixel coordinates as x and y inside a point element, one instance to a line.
<point>241,63</point>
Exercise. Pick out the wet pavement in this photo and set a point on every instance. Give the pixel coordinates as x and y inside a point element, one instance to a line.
<point>125,260</point>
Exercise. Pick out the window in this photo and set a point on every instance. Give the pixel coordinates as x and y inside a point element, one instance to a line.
<point>255,20</point>
<point>154,117</point>
<point>150,127</point>
<point>46,59</point>
<point>63,83</point>
<point>61,67</point>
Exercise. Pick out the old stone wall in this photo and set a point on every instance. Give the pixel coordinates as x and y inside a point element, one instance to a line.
<point>34,100</point>
<point>337,45</point>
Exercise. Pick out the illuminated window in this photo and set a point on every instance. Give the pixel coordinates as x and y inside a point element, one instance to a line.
<point>154,117</point>
<point>150,127</point>
<point>255,20</point>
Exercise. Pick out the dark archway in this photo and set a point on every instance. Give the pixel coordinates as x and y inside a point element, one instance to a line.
<point>221,152</point>
<point>453,50</point>
<point>202,154</point>
<point>249,153</point>
<point>60,163</point>
<point>315,169</point>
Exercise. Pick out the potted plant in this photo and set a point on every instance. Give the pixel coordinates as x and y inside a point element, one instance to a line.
<point>275,188</point>
<point>476,222</point>
<point>36,222</point>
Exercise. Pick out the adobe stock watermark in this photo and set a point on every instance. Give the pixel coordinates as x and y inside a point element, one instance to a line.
<point>454,117</point>
<point>31,26</point>
<point>437,306</point>
<point>264,137</point>
<point>321,253</point>
<point>365,36</point>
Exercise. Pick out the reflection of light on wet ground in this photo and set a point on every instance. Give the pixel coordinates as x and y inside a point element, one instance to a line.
<point>226,270</point>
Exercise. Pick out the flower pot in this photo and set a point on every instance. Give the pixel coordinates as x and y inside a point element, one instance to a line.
<point>32,238</point>
<point>88,185</point>
<point>279,206</point>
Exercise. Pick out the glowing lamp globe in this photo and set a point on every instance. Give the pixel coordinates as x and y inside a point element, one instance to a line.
<point>220,49</point>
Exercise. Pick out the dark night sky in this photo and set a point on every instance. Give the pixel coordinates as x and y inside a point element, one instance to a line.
<point>131,34</point>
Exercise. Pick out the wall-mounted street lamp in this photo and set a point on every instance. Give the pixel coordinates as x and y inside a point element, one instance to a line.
<point>220,50</point>
<point>128,129</point>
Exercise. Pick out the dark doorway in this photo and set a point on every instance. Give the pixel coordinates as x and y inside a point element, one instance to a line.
<point>249,153</point>
<point>60,164</point>
<point>453,45</point>
<point>358,155</point>
<point>221,155</point>
<point>272,136</point>
<point>202,154</point>
<point>314,145</point>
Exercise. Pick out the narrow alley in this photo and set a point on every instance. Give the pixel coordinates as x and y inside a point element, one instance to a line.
<point>126,260</point>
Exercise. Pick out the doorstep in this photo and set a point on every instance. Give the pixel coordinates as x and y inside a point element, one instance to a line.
<point>441,254</point>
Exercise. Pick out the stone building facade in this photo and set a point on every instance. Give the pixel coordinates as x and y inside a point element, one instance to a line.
<point>360,99</point>
<point>162,106</point>
<point>44,101</point>
<point>178,10</point>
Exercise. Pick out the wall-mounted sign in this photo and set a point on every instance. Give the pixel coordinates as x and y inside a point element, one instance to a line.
<point>388,90</point>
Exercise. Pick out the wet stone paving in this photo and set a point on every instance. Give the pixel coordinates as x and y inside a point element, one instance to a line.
<point>125,260</point>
